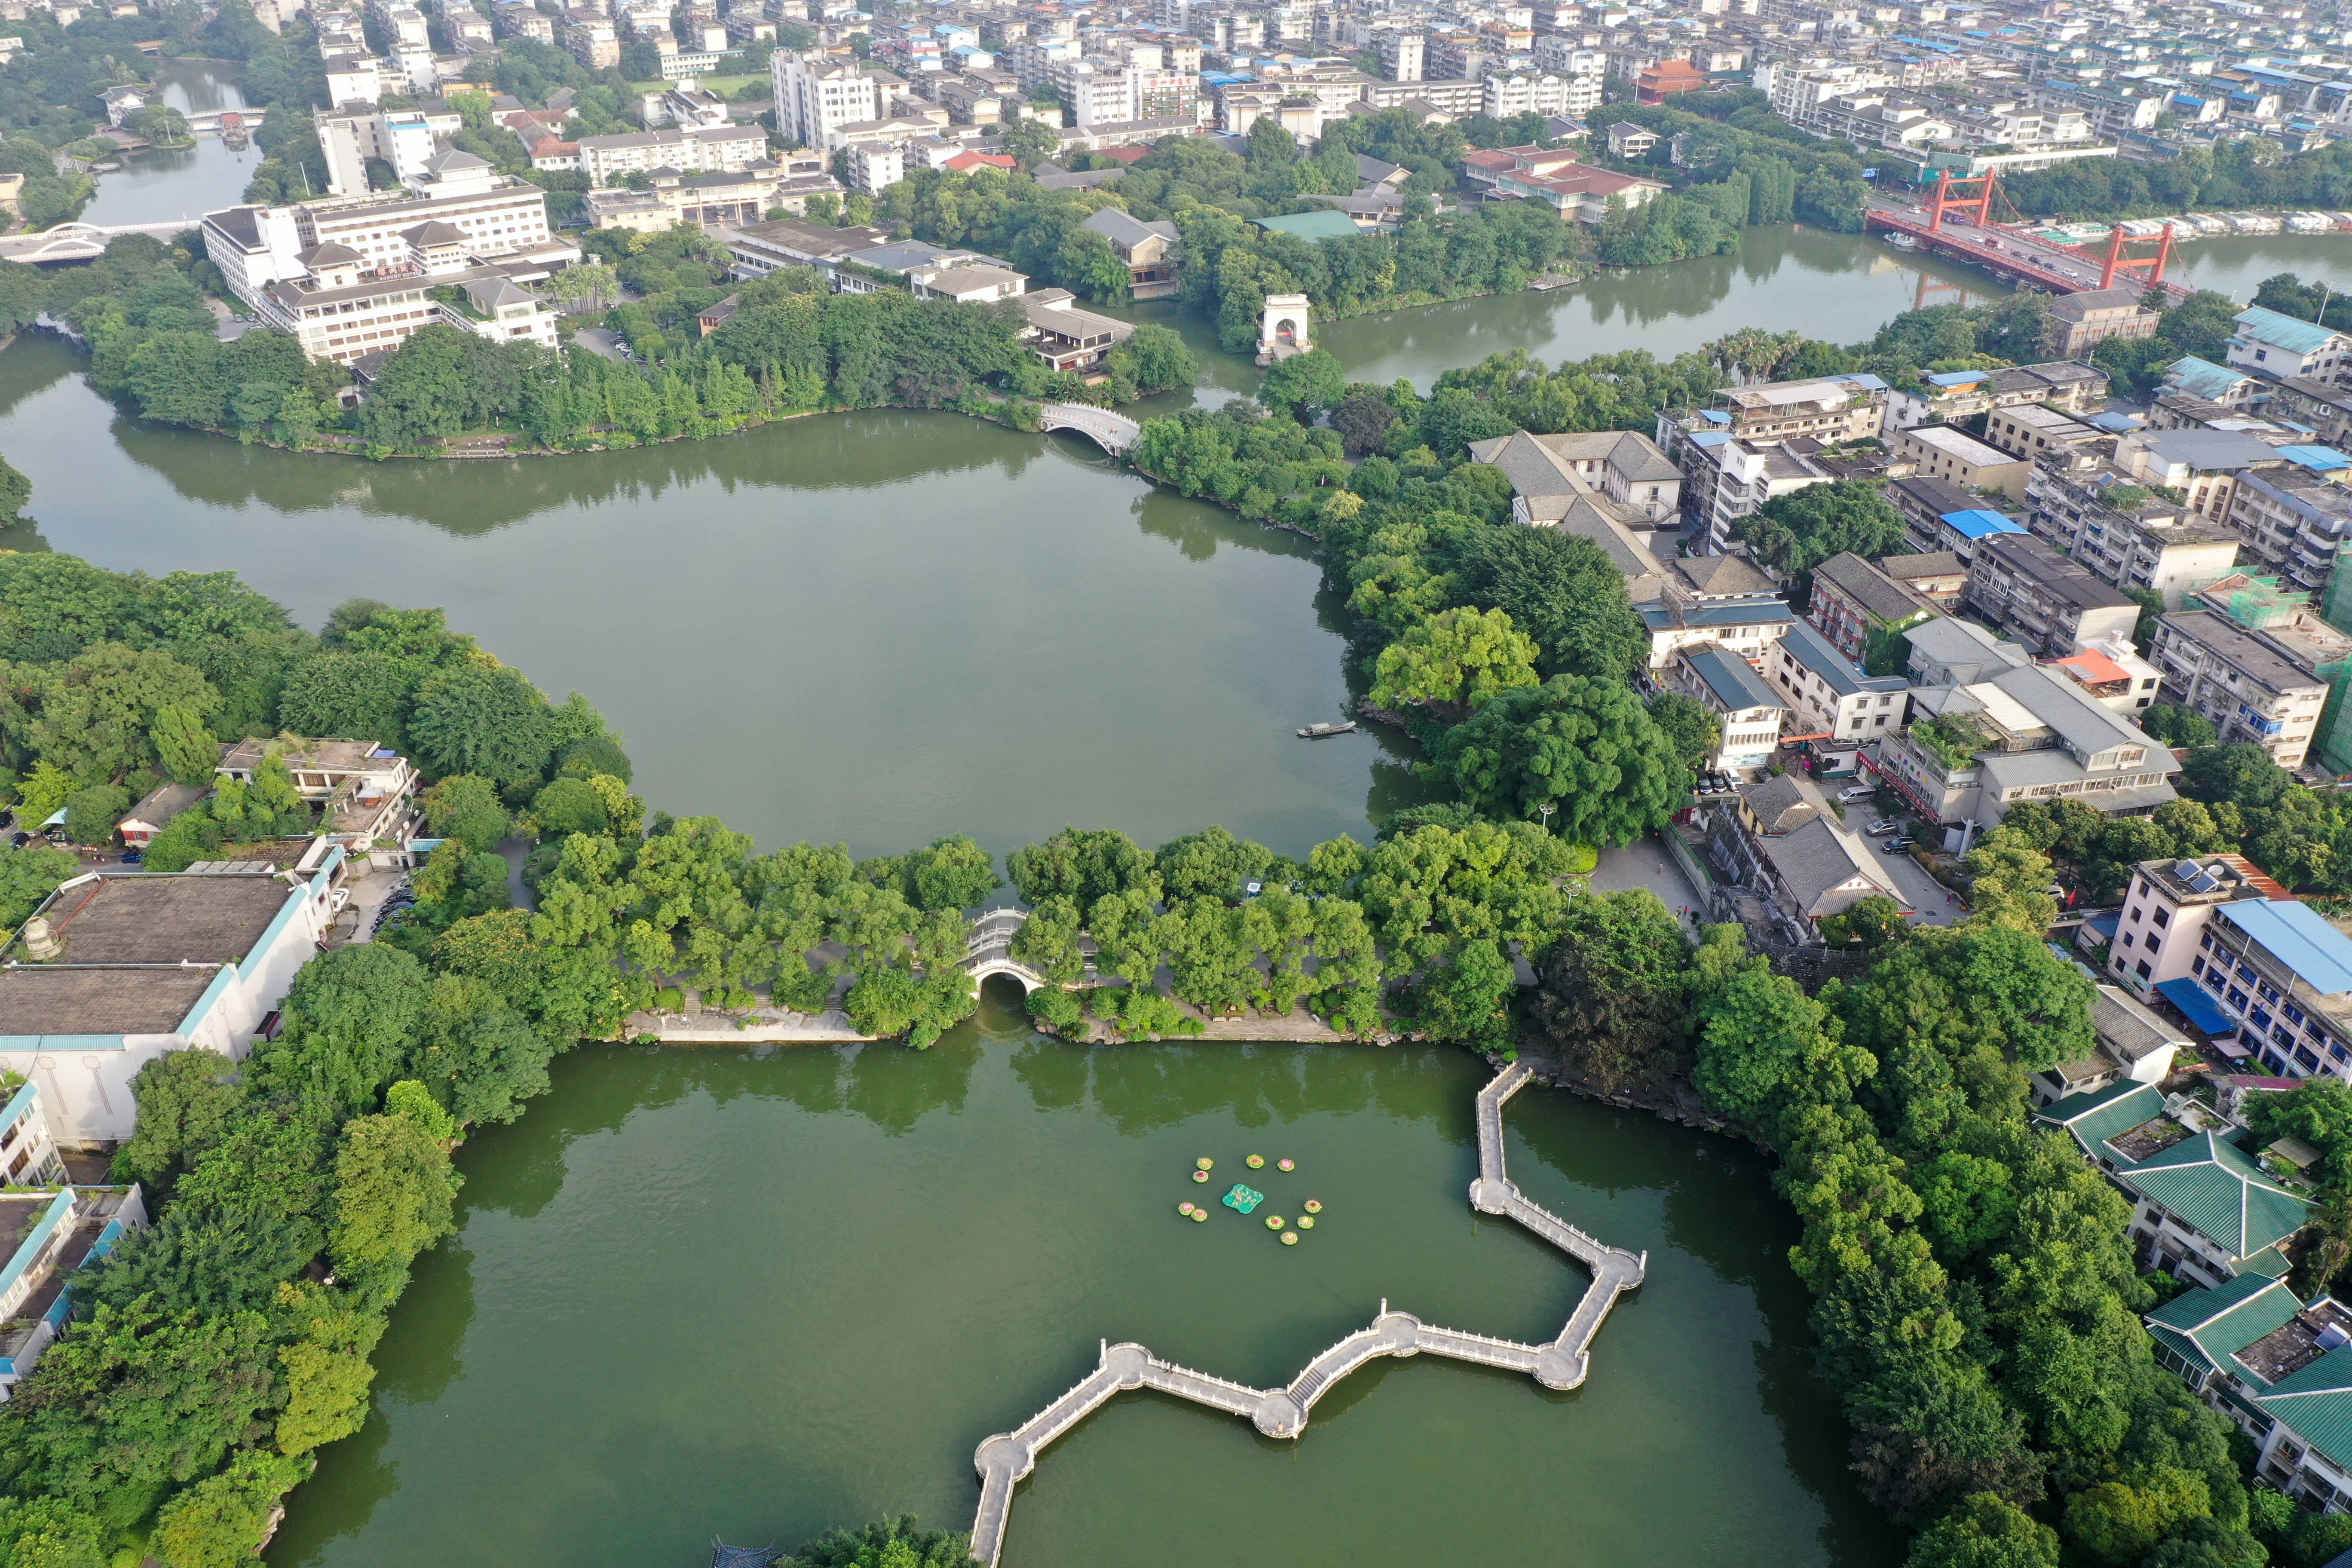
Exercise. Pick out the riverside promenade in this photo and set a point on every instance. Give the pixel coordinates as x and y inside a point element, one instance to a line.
<point>1008,1456</point>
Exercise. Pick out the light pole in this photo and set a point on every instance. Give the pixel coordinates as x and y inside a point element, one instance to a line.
<point>1544,813</point>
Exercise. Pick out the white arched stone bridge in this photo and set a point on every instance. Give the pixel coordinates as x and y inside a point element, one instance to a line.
<point>1114,433</point>
<point>82,241</point>
<point>988,948</point>
<point>1005,1458</point>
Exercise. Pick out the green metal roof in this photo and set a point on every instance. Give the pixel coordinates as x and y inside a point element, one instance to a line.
<point>2099,1114</point>
<point>2316,1403</point>
<point>1316,225</point>
<point>2208,1327</point>
<point>2216,1190</point>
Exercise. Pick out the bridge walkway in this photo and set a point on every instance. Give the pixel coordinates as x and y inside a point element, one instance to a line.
<point>1004,1459</point>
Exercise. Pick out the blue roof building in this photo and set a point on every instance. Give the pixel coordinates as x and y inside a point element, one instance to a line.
<point>2284,346</point>
<point>1979,523</point>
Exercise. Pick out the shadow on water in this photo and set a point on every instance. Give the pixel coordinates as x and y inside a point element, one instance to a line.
<point>1719,1209</point>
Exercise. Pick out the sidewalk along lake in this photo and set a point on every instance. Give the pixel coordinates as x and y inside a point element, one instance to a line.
<point>760,1293</point>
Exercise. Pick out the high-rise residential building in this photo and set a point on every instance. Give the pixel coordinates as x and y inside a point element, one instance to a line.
<point>814,96</point>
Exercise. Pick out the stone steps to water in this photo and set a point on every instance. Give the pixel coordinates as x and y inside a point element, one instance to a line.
<point>1003,1460</point>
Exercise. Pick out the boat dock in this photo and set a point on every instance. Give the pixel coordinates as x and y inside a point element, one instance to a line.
<point>1004,1459</point>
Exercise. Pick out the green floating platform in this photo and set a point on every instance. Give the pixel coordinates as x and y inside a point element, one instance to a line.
<point>1243,1198</point>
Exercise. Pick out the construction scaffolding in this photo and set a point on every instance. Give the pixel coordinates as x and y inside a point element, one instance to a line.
<point>2331,746</point>
<point>2262,604</point>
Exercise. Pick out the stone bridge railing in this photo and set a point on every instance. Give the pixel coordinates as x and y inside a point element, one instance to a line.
<point>1114,433</point>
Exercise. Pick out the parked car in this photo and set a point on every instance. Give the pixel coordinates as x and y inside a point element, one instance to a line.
<point>133,857</point>
<point>21,839</point>
<point>1901,845</point>
<point>1884,825</point>
<point>1858,792</point>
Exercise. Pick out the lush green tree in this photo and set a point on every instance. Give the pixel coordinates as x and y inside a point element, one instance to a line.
<point>1078,864</point>
<point>183,747</point>
<point>49,1532</point>
<point>1796,531</point>
<point>1155,359</point>
<point>92,813</point>
<point>1468,1002</point>
<point>1558,589</point>
<point>136,1397</point>
<point>465,808</point>
<point>1612,995</point>
<point>96,714</point>
<point>186,1104</point>
<point>1452,662</point>
<point>16,492</point>
<point>954,873</point>
<point>2115,1522</point>
<point>1985,1531</point>
<point>348,1019</point>
<point>1211,863</point>
<point>217,1522</point>
<point>893,1543</point>
<point>2176,726</point>
<point>2009,883</point>
<point>324,1361</point>
<point>1690,726</point>
<point>1300,385</point>
<point>29,874</point>
<point>365,695</point>
<point>1584,747</point>
<point>1764,1047</point>
<point>480,719</point>
<point>393,1197</point>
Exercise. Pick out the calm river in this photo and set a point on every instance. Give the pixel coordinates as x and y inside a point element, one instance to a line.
<point>765,1292</point>
<point>760,1293</point>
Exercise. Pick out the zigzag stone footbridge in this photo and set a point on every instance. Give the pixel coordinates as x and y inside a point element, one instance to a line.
<point>1005,1458</point>
<point>1114,433</point>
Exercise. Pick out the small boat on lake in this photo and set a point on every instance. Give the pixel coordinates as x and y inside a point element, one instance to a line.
<point>1319,732</point>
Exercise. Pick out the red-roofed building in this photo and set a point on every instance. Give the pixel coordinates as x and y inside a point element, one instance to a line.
<point>965,162</point>
<point>1660,83</point>
<point>1575,191</point>
<point>551,153</point>
<point>1134,152</point>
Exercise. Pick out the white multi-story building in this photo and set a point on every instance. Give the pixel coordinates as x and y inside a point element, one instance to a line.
<point>2246,684</point>
<point>349,278</point>
<point>813,96</point>
<point>1528,92</point>
<point>721,148</point>
<point>2270,345</point>
<point>127,967</point>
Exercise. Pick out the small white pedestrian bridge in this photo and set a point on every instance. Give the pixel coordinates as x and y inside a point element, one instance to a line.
<point>987,950</point>
<point>1008,1456</point>
<point>82,241</point>
<point>1114,433</point>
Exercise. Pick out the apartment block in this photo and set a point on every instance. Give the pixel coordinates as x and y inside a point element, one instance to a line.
<point>2251,689</point>
<point>2047,601</point>
<point>2125,533</point>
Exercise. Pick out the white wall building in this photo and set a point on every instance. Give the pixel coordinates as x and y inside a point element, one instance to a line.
<point>148,962</point>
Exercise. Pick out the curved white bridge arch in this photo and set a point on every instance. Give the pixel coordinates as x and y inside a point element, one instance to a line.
<point>1114,433</point>
<point>987,950</point>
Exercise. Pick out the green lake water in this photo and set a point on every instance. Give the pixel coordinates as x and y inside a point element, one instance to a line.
<point>765,1292</point>
<point>761,1292</point>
